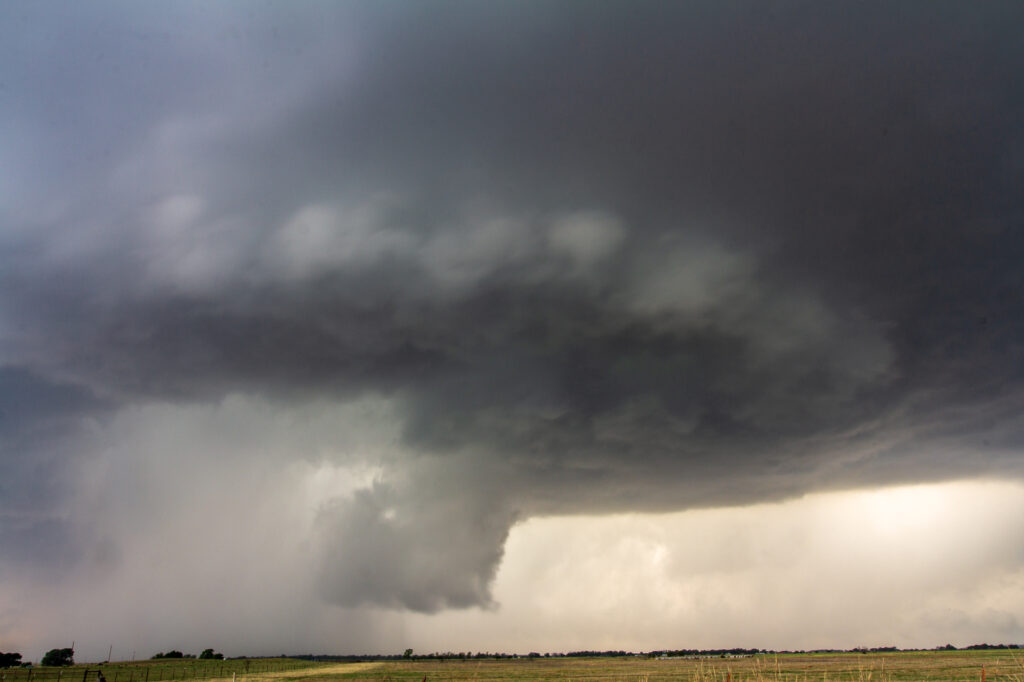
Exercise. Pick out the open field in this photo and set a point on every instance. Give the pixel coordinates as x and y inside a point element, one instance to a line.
<point>933,666</point>
<point>951,666</point>
<point>158,670</point>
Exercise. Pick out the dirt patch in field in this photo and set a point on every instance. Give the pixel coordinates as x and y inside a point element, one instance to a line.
<point>310,672</point>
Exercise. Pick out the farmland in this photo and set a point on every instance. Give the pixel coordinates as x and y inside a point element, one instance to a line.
<point>157,670</point>
<point>949,666</point>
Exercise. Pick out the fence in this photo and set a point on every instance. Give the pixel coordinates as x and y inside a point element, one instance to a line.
<point>156,671</point>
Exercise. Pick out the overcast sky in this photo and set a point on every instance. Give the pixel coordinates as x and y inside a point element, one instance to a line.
<point>466,325</point>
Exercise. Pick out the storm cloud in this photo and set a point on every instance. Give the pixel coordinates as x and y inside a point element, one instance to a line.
<point>505,260</point>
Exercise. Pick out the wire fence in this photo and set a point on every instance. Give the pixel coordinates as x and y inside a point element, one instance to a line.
<point>150,671</point>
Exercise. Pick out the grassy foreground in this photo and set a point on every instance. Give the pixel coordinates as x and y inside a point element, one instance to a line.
<point>934,666</point>
<point>1003,665</point>
<point>157,670</point>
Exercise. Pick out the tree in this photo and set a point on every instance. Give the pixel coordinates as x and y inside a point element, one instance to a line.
<point>11,660</point>
<point>211,654</point>
<point>407,654</point>
<point>173,653</point>
<point>57,657</point>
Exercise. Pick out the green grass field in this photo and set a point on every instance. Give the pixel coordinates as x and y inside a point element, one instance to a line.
<point>155,670</point>
<point>1004,665</point>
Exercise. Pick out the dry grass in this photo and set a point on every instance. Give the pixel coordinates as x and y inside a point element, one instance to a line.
<point>954,666</point>
<point>888,667</point>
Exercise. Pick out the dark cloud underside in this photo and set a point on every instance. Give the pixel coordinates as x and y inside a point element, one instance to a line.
<point>618,256</point>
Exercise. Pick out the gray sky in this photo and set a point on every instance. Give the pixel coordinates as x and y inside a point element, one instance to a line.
<point>319,322</point>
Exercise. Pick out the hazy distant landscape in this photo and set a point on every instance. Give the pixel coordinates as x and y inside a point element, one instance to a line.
<point>933,666</point>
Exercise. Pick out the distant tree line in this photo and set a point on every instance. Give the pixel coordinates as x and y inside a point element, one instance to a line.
<point>405,655</point>
<point>11,660</point>
<point>207,655</point>
<point>735,651</point>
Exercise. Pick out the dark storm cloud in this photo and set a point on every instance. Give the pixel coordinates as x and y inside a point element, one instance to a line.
<point>424,548</point>
<point>621,256</point>
<point>38,419</point>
